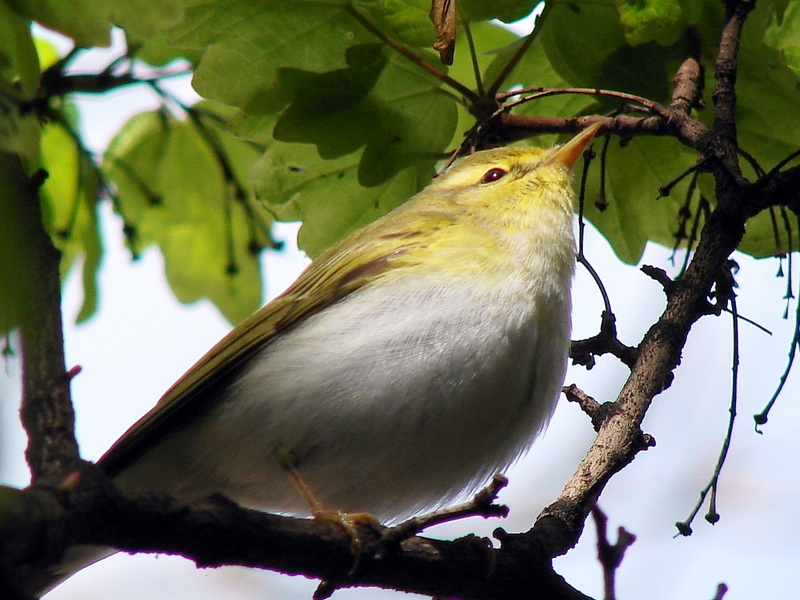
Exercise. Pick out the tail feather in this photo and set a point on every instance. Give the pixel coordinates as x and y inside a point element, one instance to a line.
<point>37,582</point>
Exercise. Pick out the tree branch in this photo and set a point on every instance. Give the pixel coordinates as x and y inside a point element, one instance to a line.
<point>620,437</point>
<point>217,532</point>
<point>46,413</point>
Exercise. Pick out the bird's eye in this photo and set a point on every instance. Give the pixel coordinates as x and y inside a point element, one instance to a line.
<point>493,175</point>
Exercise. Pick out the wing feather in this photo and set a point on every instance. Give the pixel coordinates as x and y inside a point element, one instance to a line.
<point>356,261</point>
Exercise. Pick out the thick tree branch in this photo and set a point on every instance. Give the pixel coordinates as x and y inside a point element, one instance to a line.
<point>620,437</point>
<point>781,188</point>
<point>218,532</point>
<point>46,406</point>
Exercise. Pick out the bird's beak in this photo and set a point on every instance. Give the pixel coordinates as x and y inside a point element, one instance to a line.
<point>569,153</point>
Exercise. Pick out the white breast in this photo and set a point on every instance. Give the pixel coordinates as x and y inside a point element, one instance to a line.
<point>397,399</point>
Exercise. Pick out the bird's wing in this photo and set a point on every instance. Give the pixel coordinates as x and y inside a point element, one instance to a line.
<point>349,265</point>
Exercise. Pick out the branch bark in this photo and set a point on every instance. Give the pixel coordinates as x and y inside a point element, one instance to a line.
<point>47,412</point>
<point>620,437</point>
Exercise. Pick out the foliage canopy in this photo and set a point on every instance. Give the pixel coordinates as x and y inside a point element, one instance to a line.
<point>313,115</point>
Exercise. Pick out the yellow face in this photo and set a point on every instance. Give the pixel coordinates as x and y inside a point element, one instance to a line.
<point>491,167</point>
<point>506,178</point>
<point>528,180</point>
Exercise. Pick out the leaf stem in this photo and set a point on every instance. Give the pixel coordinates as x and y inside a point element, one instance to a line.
<point>474,58</point>
<point>471,96</point>
<point>523,48</point>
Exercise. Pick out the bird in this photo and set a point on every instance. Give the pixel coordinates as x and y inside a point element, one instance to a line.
<point>409,363</point>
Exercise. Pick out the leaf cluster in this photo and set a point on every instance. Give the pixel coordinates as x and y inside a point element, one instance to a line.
<point>342,111</point>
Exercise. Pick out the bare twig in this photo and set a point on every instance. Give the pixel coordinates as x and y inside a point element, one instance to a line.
<point>100,515</point>
<point>666,189</point>
<point>722,589</point>
<point>473,55</point>
<point>687,86</point>
<point>618,440</point>
<point>482,504</point>
<point>512,63</point>
<point>601,202</point>
<point>597,412</point>
<point>703,210</point>
<point>712,516</point>
<point>610,555</point>
<point>582,352</point>
<point>531,94</point>
<point>762,417</point>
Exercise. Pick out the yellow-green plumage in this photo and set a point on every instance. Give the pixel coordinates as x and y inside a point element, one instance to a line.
<point>411,361</point>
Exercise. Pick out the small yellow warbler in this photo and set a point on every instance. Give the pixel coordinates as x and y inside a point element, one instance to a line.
<point>409,363</point>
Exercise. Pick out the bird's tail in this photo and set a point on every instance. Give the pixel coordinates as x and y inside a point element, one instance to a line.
<point>35,582</point>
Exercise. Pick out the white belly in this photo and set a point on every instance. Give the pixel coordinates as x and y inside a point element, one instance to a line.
<point>390,402</point>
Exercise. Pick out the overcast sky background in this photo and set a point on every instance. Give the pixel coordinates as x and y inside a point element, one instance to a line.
<point>142,340</point>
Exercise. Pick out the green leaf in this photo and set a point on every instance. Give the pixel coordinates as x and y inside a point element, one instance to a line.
<point>783,34</point>
<point>768,100</point>
<point>335,91</point>
<point>19,65</point>
<point>19,134</point>
<point>586,45</point>
<point>85,21</point>
<point>19,81</point>
<point>409,22</point>
<point>401,119</point>
<point>46,52</point>
<point>145,22</point>
<point>180,185</point>
<point>156,51</point>
<point>635,213</point>
<point>248,43</point>
<point>326,195</point>
<point>17,288</point>
<point>661,21</point>
<point>69,203</point>
<point>146,18</point>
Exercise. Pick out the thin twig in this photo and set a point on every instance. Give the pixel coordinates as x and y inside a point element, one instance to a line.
<point>712,516</point>
<point>666,189</point>
<point>776,235</point>
<point>601,203</point>
<point>703,211</point>
<point>467,93</point>
<point>722,589</point>
<point>592,408</point>
<point>512,63</point>
<point>784,162</point>
<point>473,55</point>
<point>588,156</point>
<point>762,417</point>
<point>610,555</point>
<point>583,351</point>
<point>482,504</point>
<point>540,92</point>
<point>684,214</point>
